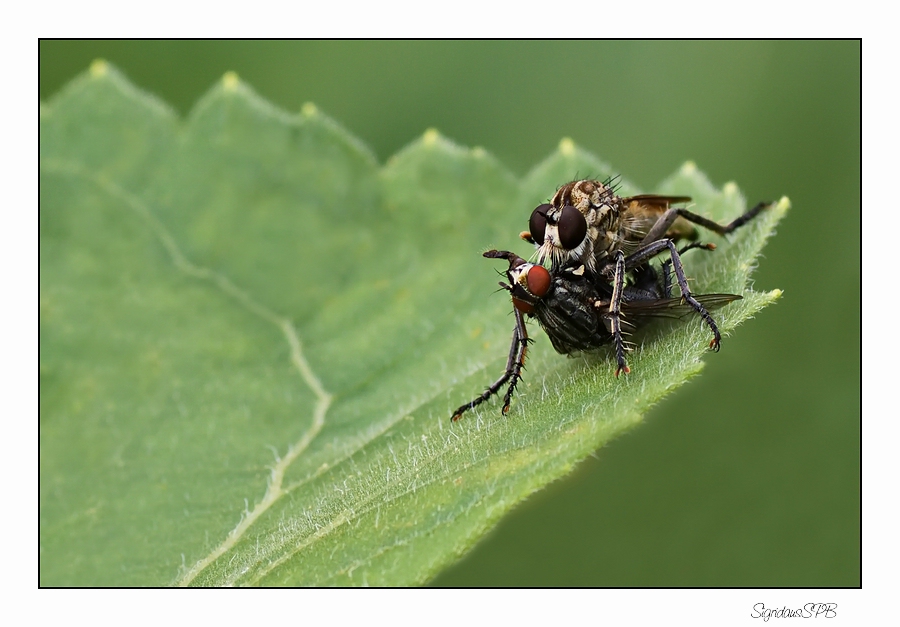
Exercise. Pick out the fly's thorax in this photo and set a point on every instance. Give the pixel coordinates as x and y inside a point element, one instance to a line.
<point>595,200</point>
<point>568,313</point>
<point>607,238</point>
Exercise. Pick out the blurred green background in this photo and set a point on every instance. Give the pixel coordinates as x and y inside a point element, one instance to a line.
<point>749,475</point>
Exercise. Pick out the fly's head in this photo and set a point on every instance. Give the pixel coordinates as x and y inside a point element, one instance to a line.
<point>528,282</point>
<point>560,233</point>
<point>574,223</point>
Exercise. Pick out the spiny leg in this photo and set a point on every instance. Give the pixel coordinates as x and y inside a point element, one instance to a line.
<point>665,221</point>
<point>666,272</point>
<point>647,252</point>
<point>519,361</point>
<point>514,364</point>
<point>615,313</point>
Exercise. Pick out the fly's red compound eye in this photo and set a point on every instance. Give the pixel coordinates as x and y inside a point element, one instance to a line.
<point>538,222</point>
<point>538,280</point>
<point>572,227</point>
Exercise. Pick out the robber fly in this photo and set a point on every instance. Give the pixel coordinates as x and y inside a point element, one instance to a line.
<point>600,282</point>
<point>586,221</point>
<point>576,311</point>
<point>615,238</point>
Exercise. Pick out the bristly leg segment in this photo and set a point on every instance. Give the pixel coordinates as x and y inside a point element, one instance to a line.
<point>615,311</point>
<point>513,373</point>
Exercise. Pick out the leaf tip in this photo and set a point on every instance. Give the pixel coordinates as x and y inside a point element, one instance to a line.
<point>567,146</point>
<point>99,68</point>
<point>689,168</point>
<point>230,81</point>
<point>431,137</point>
<point>730,189</point>
<point>309,110</point>
<point>784,203</point>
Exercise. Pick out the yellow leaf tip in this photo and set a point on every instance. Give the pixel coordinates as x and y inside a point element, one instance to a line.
<point>99,68</point>
<point>689,168</point>
<point>230,81</point>
<point>309,109</point>
<point>431,137</point>
<point>730,188</point>
<point>784,203</point>
<point>567,146</point>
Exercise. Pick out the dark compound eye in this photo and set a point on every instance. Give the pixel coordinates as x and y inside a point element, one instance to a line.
<point>538,280</point>
<point>538,222</point>
<point>572,227</point>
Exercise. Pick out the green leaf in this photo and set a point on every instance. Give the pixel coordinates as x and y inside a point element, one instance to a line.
<point>253,336</point>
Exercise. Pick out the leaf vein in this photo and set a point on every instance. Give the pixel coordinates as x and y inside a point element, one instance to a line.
<point>274,489</point>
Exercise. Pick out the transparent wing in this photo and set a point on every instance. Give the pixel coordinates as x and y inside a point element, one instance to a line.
<point>674,307</point>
